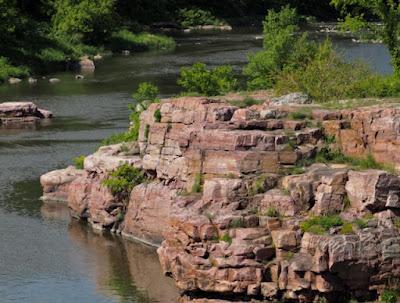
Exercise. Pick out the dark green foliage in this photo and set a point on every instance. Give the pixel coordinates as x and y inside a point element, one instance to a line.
<point>298,116</point>
<point>196,17</point>
<point>146,92</point>
<point>85,20</point>
<point>209,82</point>
<point>320,224</point>
<point>282,48</point>
<point>78,162</point>
<point>126,40</point>
<point>124,179</point>
<point>7,70</point>
<point>389,296</point>
<point>147,131</point>
<point>157,115</point>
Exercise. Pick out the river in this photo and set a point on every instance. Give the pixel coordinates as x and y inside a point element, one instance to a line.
<point>46,257</point>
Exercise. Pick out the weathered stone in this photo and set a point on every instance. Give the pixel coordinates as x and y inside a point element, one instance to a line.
<point>284,239</point>
<point>380,190</point>
<point>269,289</point>
<point>56,184</point>
<point>19,113</point>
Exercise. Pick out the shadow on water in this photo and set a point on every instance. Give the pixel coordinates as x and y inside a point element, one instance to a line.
<point>125,269</point>
<point>23,198</point>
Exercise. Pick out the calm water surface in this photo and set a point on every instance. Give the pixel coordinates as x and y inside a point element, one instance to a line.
<point>44,257</point>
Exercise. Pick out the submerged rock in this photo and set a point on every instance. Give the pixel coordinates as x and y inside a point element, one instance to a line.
<point>14,80</point>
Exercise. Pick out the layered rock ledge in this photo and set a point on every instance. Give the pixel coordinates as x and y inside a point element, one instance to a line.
<point>226,201</point>
<point>14,114</point>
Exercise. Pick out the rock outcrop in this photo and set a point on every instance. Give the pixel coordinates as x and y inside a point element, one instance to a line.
<point>14,114</point>
<point>372,130</point>
<point>227,204</point>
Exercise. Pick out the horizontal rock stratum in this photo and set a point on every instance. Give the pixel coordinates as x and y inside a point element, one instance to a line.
<point>228,203</point>
<point>14,114</point>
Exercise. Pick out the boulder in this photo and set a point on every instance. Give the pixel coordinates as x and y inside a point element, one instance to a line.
<point>294,98</point>
<point>373,190</point>
<point>19,113</point>
<point>56,184</point>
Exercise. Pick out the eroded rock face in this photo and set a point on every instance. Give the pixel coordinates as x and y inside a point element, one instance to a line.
<point>56,184</point>
<point>229,222</point>
<point>374,130</point>
<point>373,190</point>
<point>14,114</point>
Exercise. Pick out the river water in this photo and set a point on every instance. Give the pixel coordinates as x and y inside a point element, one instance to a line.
<point>46,257</point>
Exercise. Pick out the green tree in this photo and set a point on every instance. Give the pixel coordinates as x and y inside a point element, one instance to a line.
<point>90,21</point>
<point>8,18</point>
<point>388,11</point>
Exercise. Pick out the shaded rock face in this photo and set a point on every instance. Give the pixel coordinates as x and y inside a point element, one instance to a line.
<point>374,130</point>
<point>14,114</point>
<point>225,218</point>
<point>56,184</point>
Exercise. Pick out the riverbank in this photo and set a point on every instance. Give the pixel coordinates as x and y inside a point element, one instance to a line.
<point>74,57</point>
<point>251,201</point>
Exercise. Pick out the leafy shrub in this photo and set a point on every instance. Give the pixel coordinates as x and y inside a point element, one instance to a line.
<point>195,17</point>
<point>79,161</point>
<point>52,55</point>
<point>7,70</point>
<point>388,296</point>
<point>146,92</point>
<point>85,20</point>
<point>320,224</point>
<point>291,63</point>
<point>279,39</point>
<point>157,115</point>
<point>126,40</point>
<point>124,179</point>
<point>199,79</point>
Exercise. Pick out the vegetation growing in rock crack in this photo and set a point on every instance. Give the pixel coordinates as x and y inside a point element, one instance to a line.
<point>78,162</point>
<point>146,94</point>
<point>122,180</point>
<point>198,184</point>
<point>320,224</point>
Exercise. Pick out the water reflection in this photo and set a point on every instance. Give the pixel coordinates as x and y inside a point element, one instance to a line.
<point>122,269</point>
